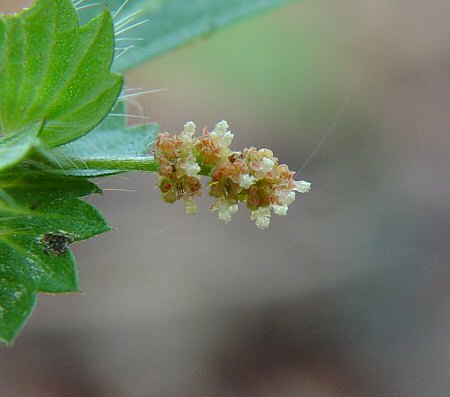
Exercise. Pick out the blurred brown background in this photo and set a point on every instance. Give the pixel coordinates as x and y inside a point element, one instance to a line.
<point>347,296</point>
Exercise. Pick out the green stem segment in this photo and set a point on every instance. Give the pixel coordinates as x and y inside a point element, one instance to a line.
<point>143,163</point>
<point>137,163</point>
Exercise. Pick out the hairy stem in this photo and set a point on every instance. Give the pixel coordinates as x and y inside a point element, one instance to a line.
<point>146,163</point>
<point>137,163</point>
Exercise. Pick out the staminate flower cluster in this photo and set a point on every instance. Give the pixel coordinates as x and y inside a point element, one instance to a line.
<point>250,176</point>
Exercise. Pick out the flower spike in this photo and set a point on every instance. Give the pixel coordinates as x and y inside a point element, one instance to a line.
<point>251,176</point>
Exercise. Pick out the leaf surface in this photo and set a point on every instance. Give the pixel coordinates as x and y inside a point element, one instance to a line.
<point>40,216</point>
<point>172,23</point>
<point>111,139</point>
<point>15,147</point>
<point>54,72</point>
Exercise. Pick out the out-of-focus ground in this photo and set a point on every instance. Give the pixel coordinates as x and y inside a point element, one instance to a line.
<point>347,296</point>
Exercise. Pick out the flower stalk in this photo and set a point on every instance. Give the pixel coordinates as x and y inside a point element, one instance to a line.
<point>137,163</point>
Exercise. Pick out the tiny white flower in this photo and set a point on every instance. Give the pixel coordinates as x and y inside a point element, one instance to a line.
<point>191,168</point>
<point>233,209</point>
<point>261,217</point>
<point>222,135</point>
<point>246,180</point>
<point>286,196</point>
<point>190,206</point>
<point>262,223</point>
<point>221,127</point>
<point>226,216</point>
<point>225,210</point>
<point>226,139</point>
<point>267,164</point>
<point>189,128</point>
<point>280,209</point>
<point>302,186</point>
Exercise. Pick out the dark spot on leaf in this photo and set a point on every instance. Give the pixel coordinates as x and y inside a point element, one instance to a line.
<point>56,243</point>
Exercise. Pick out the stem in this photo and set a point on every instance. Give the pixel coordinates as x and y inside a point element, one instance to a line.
<point>137,163</point>
<point>115,164</point>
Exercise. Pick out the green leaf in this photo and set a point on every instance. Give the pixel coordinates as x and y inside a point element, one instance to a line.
<point>40,215</point>
<point>111,139</point>
<point>55,72</point>
<point>15,147</point>
<point>172,23</point>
